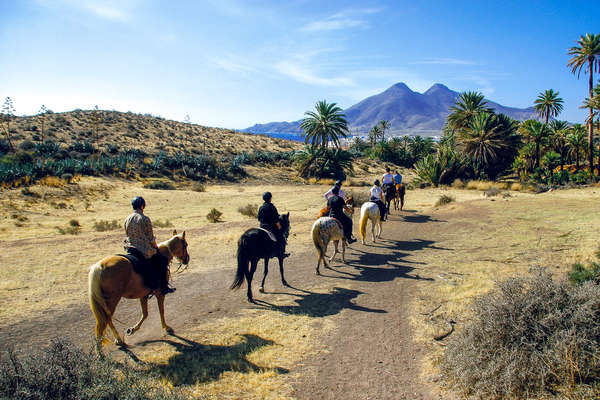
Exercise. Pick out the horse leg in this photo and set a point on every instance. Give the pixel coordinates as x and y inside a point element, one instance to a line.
<point>283,281</point>
<point>401,202</point>
<point>144,305</point>
<point>249,275</point>
<point>373,228</point>
<point>379,229</point>
<point>344,250</point>
<point>335,244</point>
<point>325,244</point>
<point>160,300</point>
<point>262,284</point>
<point>118,341</point>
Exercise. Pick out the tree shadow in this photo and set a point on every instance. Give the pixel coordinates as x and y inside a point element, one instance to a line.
<point>198,363</point>
<point>321,304</point>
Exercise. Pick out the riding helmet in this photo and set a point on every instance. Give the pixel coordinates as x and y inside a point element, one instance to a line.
<point>267,196</point>
<point>376,183</point>
<point>335,190</point>
<point>138,202</point>
<point>338,183</point>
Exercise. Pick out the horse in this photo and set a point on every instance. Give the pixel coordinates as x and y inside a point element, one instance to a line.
<point>253,245</point>
<point>113,278</point>
<point>369,211</point>
<point>400,192</point>
<point>324,212</point>
<point>326,229</point>
<point>389,194</point>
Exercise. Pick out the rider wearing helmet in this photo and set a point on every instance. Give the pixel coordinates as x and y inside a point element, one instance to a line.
<point>329,193</point>
<point>269,220</point>
<point>377,198</point>
<point>141,244</point>
<point>337,205</point>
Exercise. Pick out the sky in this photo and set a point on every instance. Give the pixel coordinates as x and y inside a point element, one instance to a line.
<point>234,63</point>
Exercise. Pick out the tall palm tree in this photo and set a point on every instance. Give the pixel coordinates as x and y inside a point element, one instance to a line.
<point>374,134</point>
<point>537,133</point>
<point>548,104</point>
<point>467,106</point>
<point>327,124</point>
<point>558,139</point>
<point>587,54</point>
<point>576,139</point>
<point>384,125</point>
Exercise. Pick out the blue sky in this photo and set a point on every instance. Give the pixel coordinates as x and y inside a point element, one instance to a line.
<point>233,63</point>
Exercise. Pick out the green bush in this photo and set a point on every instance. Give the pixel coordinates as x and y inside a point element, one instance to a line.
<point>102,226</point>
<point>214,216</point>
<point>249,210</point>
<point>443,200</point>
<point>160,185</point>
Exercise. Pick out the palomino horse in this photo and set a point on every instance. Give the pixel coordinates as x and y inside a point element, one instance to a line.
<point>400,192</point>
<point>113,278</point>
<point>255,244</point>
<point>389,193</point>
<point>327,229</point>
<point>369,212</point>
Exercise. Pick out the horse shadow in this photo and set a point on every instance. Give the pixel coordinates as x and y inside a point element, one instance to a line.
<point>420,219</point>
<point>318,305</point>
<point>199,363</point>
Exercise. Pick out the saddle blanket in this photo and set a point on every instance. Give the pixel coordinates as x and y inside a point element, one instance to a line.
<point>271,235</point>
<point>143,268</point>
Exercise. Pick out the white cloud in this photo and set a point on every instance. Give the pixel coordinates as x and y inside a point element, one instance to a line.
<point>351,18</point>
<point>304,74</point>
<point>112,10</point>
<point>233,64</point>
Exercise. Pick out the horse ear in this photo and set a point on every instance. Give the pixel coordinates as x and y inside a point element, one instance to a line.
<point>288,214</point>
<point>183,235</point>
<point>174,232</point>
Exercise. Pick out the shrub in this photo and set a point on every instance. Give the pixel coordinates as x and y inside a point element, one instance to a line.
<point>359,197</point>
<point>458,184</point>
<point>443,200</point>
<point>102,226</point>
<point>63,371</point>
<point>74,223</point>
<point>214,216</point>
<point>162,224</point>
<point>249,210</point>
<point>516,187</point>
<point>527,335</point>
<point>199,187</point>
<point>159,185</point>
<point>69,230</point>
<point>492,192</point>
<point>29,192</point>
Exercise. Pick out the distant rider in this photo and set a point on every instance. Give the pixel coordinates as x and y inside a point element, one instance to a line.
<point>141,244</point>
<point>329,193</point>
<point>377,198</point>
<point>397,178</point>
<point>337,206</point>
<point>269,220</point>
<point>388,178</point>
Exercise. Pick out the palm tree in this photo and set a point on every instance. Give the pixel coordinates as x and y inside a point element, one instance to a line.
<point>548,104</point>
<point>328,123</point>
<point>587,54</point>
<point>558,139</point>
<point>467,106</point>
<point>576,140</point>
<point>383,125</point>
<point>537,133</point>
<point>374,134</point>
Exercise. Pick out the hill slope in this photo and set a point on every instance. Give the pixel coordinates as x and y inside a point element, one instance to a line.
<point>407,111</point>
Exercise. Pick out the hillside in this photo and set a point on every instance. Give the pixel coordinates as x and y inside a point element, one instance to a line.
<point>117,131</point>
<point>407,111</point>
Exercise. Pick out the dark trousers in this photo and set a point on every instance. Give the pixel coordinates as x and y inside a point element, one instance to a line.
<point>380,205</point>
<point>346,224</point>
<point>156,274</point>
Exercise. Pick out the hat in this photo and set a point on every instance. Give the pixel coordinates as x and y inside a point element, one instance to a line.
<point>267,196</point>
<point>138,202</point>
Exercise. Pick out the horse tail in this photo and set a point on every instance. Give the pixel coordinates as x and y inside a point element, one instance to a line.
<point>97,302</point>
<point>364,217</point>
<point>242,263</point>
<point>317,240</point>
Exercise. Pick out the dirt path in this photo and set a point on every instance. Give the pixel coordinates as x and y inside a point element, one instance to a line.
<point>370,353</point>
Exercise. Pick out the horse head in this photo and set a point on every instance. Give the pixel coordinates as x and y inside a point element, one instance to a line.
<point>284,220</point>
<point>178,247</point>
<point>350,202</point>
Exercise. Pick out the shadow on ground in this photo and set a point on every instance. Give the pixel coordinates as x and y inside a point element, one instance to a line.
<point>197,363</point>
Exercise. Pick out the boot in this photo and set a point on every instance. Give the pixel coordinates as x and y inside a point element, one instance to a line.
<point>350,240</point>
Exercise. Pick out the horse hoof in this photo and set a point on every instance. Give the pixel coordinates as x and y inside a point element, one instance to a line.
<point>120,343</point>
<point>285,283</point>
<point>169,330</point>
<point>261,289</point>
<point>129,331</point>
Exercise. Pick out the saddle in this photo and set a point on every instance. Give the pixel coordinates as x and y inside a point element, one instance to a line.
<point>338,222</point>
<point>271,234</point>
<point>143,268</point>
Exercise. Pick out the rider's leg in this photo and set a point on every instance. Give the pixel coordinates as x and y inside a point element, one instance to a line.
<point>347,227</point>
<point>161,263</point>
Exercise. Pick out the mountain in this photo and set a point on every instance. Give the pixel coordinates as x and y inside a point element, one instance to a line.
<point>407,111</point>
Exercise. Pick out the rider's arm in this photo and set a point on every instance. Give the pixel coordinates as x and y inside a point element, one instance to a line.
<point>147,227</point>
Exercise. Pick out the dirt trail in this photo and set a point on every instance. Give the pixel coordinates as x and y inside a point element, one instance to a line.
<point>370,353</point>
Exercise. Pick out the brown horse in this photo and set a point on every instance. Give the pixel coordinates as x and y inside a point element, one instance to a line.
<point>113,278</point>
<point>400,192</point>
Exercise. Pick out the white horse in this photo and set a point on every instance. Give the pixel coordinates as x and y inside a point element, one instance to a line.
<point>324,230</point>
<point>369,211</point>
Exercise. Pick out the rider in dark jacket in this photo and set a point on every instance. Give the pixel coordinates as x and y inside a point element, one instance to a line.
<point>336,205</point>
<point>269,220</point>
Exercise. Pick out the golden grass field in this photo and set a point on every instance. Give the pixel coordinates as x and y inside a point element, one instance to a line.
<point>489,238</point>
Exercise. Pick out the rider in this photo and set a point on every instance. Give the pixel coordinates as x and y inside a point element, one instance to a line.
<point>397,178</point>
<point>388,178</point>
<point>269,220</point>
<point>141,244</point>
<point>377,198</point>
<point>337,205</point>
<point>329,193</point>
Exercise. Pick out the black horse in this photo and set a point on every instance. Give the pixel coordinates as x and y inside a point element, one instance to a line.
<point>389,192</point>
<point>255,244</point>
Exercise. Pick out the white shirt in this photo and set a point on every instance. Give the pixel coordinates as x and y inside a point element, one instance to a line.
<point>387,178</point>
<point>376,192</point>
<point>330,193</point>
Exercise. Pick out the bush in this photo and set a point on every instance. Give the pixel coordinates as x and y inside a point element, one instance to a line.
<point>443,200</point>
<point>492,192</point>
<point>102,226</point>
<point>63,371</point>
<point>527,335</point>
<point>199,187</point>
<point>159,185</point>
<point>162,224</point>
<point>458,184</point>
<point>249,210</point>
<point>214,216</point>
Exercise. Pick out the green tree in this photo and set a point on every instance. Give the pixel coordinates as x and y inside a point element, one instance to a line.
<point>374,134</point>
<point>327,124</point>
<point>548,104</point>
<point>587,55</point>
<point>576,139</point>
<point>8,114</point>
<point>468,105</point>
<point>42,117</point>
<point>320,162</point>
<point>384,125</point>
<point>537,133</point>
<point>558,139</point>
